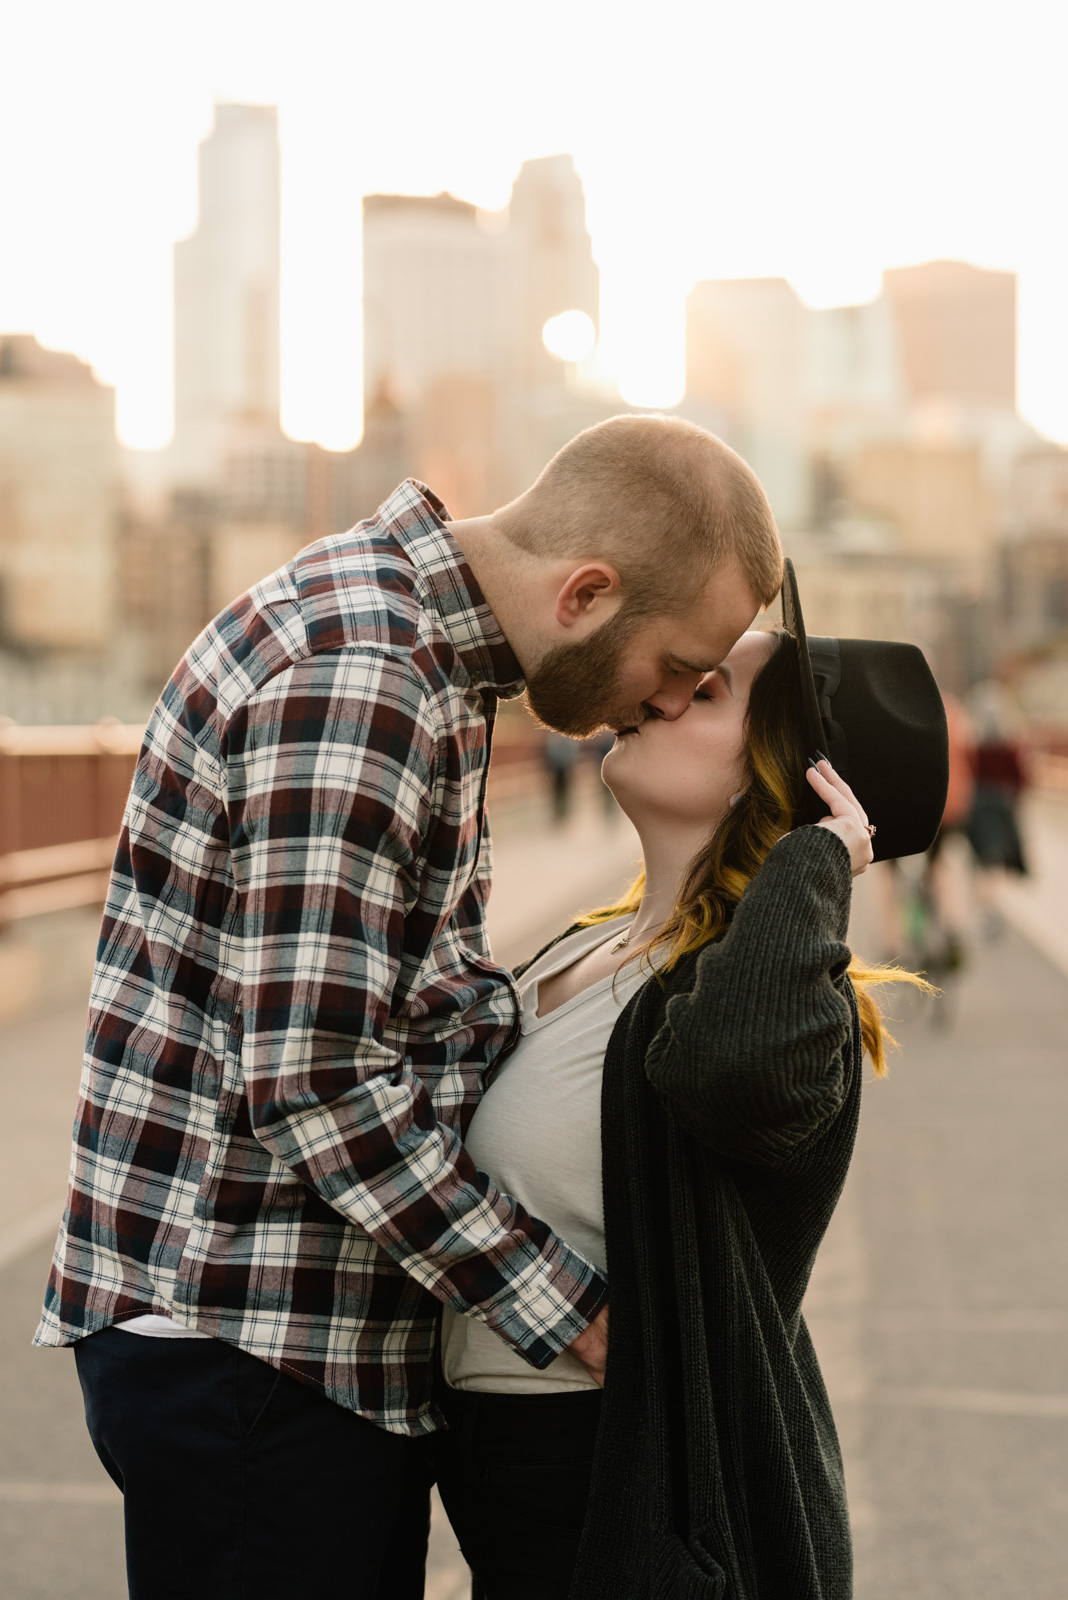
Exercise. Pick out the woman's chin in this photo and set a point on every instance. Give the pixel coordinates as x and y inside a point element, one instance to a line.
<point>633,803</point>
<point>667,811</point>
<point>617,791</point>
<point>611,760</point>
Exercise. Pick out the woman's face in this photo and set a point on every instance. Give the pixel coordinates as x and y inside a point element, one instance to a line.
<point>685,772</point>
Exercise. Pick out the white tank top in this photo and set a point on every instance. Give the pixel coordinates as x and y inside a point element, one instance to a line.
<point>537,1134</point>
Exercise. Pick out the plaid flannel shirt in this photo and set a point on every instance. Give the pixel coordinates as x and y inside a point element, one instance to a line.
<point>294,1006</point>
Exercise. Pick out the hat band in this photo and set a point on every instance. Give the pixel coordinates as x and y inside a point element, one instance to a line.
<point>826,660</point>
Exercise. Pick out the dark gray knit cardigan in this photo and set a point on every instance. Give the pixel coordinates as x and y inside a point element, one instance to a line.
<point>729,1110</point>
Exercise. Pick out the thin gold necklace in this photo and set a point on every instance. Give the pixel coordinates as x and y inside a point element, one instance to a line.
<point>621,944</point>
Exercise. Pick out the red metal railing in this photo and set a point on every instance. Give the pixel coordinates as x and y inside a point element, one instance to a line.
<point>62,794</point>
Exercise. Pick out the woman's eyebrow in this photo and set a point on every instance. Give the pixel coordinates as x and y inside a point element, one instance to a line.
<point>727,676</point>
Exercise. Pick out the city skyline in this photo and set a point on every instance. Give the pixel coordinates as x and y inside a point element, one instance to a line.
<point>834,146</point>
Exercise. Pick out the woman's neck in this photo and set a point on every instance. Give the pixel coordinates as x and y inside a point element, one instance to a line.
<point>666,856</point>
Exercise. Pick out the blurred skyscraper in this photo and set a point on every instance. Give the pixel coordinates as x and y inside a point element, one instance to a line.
<point>957,327</point>
<point>553,256</point>
<point>437,298</point>
<point>885,435</point>
<point>746,379</point>
<point>450,292</point>
<point>58,502</point>
<point>1034,556</point>
<point>894,410</point>
<point>226,294</point>
<point>455,301</point>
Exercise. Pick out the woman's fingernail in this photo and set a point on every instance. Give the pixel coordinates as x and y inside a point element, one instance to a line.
<point>822,757</point>
<point>813,764</point>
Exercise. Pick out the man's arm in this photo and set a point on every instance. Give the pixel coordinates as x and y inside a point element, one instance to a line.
<point>329,772</point>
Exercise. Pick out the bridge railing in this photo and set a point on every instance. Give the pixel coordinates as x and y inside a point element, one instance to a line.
<point>62,794</point>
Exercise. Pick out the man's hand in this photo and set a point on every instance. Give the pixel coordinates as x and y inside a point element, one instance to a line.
<point>591,1346</point>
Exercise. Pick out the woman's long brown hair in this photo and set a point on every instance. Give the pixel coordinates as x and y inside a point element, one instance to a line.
<point>737,848</point>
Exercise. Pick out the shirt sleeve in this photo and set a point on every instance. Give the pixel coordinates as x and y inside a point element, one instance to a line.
<point>328,774</point>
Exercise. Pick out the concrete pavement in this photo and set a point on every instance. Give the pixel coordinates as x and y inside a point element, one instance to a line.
<point>1037,906</point>
<point>939,1304</point>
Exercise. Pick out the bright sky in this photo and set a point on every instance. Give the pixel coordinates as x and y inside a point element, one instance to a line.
<point>820,142</point>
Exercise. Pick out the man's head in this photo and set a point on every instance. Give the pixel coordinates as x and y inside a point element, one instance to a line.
<point>656,547</point>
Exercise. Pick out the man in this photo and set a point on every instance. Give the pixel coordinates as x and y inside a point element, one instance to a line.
<point>294,1006</point>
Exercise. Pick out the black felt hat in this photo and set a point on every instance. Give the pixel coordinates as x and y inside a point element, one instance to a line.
<point>873,708</point>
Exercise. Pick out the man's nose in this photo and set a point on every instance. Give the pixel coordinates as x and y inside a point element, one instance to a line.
<point>669,703</point>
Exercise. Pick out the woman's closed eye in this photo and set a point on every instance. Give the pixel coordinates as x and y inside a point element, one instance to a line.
<point>710,686</point>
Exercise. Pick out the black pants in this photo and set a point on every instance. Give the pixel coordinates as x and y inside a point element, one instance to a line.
<point>242,1484</point>
<point>514,1474</point>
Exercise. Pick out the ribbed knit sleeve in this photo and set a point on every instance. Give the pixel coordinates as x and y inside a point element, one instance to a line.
<point>754,1057</point>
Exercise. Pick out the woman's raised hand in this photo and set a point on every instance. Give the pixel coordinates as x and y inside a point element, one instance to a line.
<point>848,819</point>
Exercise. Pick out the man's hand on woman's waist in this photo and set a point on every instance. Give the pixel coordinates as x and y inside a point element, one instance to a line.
<point>591,1346</point>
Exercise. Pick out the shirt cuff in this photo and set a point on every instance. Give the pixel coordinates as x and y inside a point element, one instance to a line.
<point>554,1299</point>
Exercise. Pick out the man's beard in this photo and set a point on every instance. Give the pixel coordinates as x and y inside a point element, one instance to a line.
<point>575,687</point>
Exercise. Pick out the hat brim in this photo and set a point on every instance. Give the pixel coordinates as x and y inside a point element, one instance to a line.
<point>874,709</point>
<point>794,623</point>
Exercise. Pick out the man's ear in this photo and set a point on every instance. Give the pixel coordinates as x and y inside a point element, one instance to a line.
<point>592,590</point>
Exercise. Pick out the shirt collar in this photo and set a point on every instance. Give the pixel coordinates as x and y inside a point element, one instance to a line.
<point>416,519</point>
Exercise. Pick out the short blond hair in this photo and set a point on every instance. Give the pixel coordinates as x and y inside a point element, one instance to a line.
<point>662,499</point>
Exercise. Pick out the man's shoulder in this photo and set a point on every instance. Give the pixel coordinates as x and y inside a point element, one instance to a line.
<point>376,590</point>
<point>349,594</point>
<point>353,588</point>
<point>349,591</point>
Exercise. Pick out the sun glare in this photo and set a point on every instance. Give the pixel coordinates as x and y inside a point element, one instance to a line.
<point>570,336</point>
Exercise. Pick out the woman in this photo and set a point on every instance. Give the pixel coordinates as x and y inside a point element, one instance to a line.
<point>720,1000</point>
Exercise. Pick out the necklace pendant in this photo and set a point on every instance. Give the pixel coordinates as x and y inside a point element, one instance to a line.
<point>622,944</point>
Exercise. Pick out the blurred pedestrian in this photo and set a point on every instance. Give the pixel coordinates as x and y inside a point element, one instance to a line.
<point>706,1034</point>
<point>598,747</point>
<point>294,1009</point>
<point>923,903</point>
<point>946,886</point>
<point>993,823</point>
<point>559,754</point>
